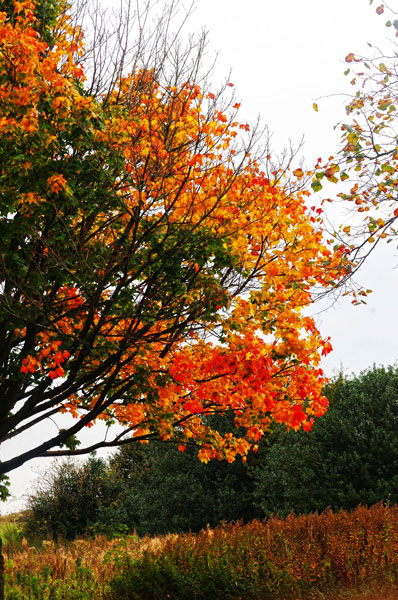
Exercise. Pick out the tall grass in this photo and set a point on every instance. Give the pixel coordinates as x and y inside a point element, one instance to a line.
<point>12,532</point>
<point>307,556</point>
<point>326,556</point>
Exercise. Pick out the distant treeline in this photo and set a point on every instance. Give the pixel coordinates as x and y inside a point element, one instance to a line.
<point>349,457</point>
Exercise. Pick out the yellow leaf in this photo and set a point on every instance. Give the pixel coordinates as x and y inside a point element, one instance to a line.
<point>315,107</point>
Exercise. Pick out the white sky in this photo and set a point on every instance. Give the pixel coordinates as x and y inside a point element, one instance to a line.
<point>284,55</point>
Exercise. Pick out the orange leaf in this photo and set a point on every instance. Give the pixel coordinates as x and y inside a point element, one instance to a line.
<point>298,173</point>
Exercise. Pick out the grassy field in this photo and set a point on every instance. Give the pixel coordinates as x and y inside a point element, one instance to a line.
<point>342,556</point>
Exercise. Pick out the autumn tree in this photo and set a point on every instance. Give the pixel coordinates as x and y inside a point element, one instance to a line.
<point>154,269</point>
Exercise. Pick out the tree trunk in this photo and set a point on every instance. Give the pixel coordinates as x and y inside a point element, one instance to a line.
<point>1,572</point>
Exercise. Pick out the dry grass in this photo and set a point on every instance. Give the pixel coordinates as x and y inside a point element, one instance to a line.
<point>14,518</point>
<point>375,593</point>
<point>99,555</point>
<point>343,556</point>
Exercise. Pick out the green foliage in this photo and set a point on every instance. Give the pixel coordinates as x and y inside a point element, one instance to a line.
<point>4,485</point>
<point>349,457</point>
<point>215,565</point>
<point>11,535</point>
<point>166,490</point>
<point>80,585</point>
<point>74,499</point>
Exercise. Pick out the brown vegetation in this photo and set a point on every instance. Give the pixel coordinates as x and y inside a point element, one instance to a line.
<point>342,556</point>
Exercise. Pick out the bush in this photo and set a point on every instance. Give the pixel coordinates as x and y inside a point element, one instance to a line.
<point>350,456</point>
<point>166,490</point>
<point>73,499</point>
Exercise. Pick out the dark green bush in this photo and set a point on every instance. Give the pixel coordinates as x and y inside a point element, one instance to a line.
<point>350,457</point>
<point>74,499</point>
<point>153,489</point>
<point>187,573</point>
<point>166,490</point>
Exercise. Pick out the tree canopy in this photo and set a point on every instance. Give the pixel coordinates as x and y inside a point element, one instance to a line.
<point>153,271</point>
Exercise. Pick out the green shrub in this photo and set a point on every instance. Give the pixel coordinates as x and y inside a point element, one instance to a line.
<point>166,490</point>
<point>350,456</point>
<point>75,499</point>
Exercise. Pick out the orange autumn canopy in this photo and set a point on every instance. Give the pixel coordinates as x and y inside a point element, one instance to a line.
<point>152,274</point>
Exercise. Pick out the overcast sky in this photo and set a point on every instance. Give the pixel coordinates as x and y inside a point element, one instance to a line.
<point>284,55</point>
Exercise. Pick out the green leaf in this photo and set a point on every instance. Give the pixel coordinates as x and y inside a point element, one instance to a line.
<point>72,442</point>
<point>316,185</point>
<point>4,485</point>
<point>386,168</point>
